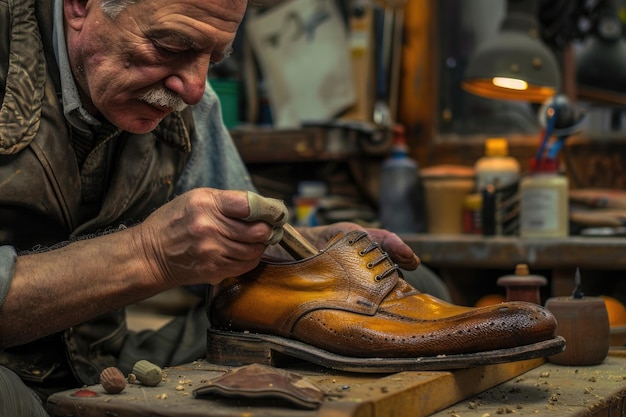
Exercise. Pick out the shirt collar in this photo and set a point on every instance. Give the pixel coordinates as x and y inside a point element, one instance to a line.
<point>74,112</point>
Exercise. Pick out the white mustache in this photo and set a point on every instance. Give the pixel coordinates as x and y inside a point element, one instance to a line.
<point>164,98</point>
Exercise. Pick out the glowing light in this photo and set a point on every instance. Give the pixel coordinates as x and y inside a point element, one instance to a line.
<point>511,83</point>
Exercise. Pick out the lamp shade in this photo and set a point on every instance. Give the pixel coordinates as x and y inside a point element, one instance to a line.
<point>601,63</point>
<point>514,64</point>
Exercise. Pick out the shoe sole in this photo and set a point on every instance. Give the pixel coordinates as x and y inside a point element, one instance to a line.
<point>239,349</point>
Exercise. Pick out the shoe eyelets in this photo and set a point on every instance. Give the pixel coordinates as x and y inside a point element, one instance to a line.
<point>357,238</point>
<point>381,258</point>
<point>385,274</point>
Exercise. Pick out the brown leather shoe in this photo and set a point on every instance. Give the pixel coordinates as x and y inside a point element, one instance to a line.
<point>348,308</point>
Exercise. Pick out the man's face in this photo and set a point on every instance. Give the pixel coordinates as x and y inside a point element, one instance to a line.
<point>151,59</point>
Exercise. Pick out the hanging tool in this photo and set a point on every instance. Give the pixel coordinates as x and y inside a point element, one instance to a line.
<point>384,37</point>
<point>561,119</point>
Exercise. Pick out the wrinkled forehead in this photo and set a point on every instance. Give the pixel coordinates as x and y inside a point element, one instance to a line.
<point>223,13</point>
<point>202,23</point>
<point>113,7</point>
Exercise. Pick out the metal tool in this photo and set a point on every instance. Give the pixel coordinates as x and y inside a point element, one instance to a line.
<point>577,291</point>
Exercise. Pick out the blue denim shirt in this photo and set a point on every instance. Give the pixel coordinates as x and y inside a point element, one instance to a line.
<point>214,161</point>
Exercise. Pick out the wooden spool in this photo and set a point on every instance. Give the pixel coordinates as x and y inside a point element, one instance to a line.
<point>522,286</point>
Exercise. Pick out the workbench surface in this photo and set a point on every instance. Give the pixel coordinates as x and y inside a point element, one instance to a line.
<point>554,390</point>
<point>533,387</point>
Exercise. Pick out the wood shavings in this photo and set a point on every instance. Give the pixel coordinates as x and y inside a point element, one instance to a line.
<point>505,410</point>
<point>553,398</point>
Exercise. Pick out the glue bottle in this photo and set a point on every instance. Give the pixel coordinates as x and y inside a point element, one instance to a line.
<point>496,167</point>
<point>494,171</point>
<point>399,196</point>
<point>544,201</point>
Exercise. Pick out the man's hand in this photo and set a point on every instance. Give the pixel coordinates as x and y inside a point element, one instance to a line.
<point>203,236</point>
<point>206,235</point>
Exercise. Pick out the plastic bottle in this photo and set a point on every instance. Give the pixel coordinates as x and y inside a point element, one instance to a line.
<point>544,201</point>
<point>496,167</point>
<point>307,202</point>
<point>472,212</point>
<point>399,197</point>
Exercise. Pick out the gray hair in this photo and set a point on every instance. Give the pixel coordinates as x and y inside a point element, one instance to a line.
<point>112,8</point>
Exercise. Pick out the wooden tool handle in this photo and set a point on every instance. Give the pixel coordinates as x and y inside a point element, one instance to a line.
<point>294,243</point>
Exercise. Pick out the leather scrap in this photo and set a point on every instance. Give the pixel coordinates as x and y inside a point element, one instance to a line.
<point>261,381</point>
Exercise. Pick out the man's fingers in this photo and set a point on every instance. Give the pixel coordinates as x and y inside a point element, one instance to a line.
<point>271,211</point>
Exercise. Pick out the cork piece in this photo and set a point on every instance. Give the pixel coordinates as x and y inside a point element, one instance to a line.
<point>148,373</point>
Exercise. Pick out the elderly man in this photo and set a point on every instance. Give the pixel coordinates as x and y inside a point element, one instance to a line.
<point>109,142</point>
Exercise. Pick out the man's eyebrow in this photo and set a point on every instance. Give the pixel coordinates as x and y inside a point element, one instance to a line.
<point>156,35</point>
<point>186,40</point>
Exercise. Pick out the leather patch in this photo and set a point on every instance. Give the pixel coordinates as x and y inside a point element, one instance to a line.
<point>258,381</point>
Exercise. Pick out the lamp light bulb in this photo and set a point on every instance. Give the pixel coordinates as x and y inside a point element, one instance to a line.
<point>510,83</point>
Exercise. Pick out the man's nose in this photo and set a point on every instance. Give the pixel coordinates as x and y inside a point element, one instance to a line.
<point>188,81</point>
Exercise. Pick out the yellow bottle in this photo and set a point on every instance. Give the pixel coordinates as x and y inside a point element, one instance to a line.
<point>496,167</point>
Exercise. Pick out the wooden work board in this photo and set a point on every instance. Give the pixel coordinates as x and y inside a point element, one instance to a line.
<point>347,394</point>
<point>554,391</point>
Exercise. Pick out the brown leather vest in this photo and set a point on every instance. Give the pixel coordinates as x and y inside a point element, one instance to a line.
<point>40,184</point>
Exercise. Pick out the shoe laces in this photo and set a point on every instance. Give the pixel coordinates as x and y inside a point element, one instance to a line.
<point>372,264</point>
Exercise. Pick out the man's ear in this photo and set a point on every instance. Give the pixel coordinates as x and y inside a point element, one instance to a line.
<point>75,12</point>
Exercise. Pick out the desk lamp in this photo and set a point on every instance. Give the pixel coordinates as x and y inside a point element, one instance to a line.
<point>514,64</point>
<point>601,64</point>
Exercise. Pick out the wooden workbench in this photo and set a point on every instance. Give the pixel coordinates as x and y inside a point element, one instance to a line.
<point>533,387</point>
<point>556,391</point>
